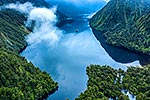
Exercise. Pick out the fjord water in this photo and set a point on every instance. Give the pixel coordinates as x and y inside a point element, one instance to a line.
<point>66,60</point>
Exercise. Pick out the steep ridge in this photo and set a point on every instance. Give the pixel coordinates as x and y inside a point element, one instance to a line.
<point>12,31</point>
<point>35,2</point>
<point>19,79</point>
<point>125,23</point>
<point>62,18</point>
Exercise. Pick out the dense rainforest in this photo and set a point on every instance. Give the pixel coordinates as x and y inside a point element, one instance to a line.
<point>125,23</point>
<point>19,79</point>
<point>105,82</point>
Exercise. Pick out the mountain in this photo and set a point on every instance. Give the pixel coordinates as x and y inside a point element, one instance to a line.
<point>77,7</point>
<point>125,23</point>
<point>35,2</point>
<point>62,18</point>
<point>12,29</point>
<point>19,79</point>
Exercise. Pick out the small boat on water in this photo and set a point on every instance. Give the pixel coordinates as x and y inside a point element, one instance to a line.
<point>76,30</point>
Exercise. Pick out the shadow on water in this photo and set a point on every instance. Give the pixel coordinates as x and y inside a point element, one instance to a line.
<point>119,54</point>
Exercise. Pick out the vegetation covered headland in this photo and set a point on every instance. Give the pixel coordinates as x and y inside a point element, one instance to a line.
<point>19,79</point>
<point>104,83</point>
<point>125,23</point>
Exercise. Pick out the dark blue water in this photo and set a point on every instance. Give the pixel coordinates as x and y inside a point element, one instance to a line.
<point>66,60</point>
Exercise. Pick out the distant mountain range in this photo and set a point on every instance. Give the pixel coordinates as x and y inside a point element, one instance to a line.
<point>35,2</point>
<point>125,23</point>
<point>76,7</point>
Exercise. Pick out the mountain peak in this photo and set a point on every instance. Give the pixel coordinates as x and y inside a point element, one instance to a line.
<point>125,23</point>
<point>35,2</point>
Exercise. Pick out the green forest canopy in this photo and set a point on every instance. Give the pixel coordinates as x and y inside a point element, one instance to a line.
<point>19,80</point>
<point>105,82</point>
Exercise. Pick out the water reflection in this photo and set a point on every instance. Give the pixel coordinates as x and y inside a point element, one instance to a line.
<point>66,61</point>
<point>121,55</point>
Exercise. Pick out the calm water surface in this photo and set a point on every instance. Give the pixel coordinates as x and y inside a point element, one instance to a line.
<point>66,61</point>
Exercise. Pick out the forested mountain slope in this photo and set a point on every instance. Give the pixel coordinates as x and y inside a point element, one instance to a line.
<point>35,2</point>
<point>125,23</point>
<point>19,80</point>
<point>12,31</point>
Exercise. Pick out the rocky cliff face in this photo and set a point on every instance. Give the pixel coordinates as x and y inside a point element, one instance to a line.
<point>125,23</point>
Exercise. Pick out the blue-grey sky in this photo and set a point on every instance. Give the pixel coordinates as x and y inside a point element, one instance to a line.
<point>83,1</point>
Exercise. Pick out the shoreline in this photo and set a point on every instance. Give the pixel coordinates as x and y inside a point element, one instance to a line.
<point>100,36</point>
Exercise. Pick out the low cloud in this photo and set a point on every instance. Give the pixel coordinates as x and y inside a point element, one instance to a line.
<point>44,23</point>
<point>44,29</point>
<point>64,56</point>
<point>106,0</point>
<point>24,8</point>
